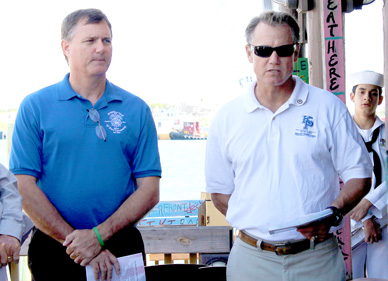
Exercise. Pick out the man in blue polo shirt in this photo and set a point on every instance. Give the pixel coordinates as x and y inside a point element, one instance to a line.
<point>85,155</point>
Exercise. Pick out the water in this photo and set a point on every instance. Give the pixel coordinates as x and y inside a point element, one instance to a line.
<point>183,175</point>
<point>183,162</point>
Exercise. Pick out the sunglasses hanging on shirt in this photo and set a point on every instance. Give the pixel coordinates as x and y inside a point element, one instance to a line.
<point>95,117</point>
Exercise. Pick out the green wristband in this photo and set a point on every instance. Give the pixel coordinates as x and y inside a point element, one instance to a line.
<point>98,236</point>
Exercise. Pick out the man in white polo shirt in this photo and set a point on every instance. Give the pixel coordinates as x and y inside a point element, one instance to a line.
<point>274,154</point>
<point>370,215</point>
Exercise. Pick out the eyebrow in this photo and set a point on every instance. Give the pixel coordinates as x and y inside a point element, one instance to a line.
<point>96,37</point>
<point>369,91</point>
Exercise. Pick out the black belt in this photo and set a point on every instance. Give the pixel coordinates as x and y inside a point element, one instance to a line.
<point>284,248</point>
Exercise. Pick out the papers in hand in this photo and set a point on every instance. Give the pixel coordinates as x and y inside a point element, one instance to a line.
<point>131,269</point>
<point>301,221</point>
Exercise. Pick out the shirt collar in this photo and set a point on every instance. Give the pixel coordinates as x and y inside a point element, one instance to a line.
<point>249,98</point>
<point>300,93</point>
<point>66,92</point>
<point>377,124</point>
<point>298,97</point>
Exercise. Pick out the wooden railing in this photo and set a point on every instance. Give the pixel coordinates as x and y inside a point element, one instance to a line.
<point>192,240</point>
<point>170,232</point>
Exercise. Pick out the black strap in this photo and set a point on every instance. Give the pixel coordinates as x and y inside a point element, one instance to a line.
<point>376,159</point>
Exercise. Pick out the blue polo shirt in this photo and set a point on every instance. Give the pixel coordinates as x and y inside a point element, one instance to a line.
<point>84,177</point>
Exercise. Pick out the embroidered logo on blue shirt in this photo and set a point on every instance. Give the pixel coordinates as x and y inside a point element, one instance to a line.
<point>116,122</point>
<point>383,142</point>
<point>308,124</point>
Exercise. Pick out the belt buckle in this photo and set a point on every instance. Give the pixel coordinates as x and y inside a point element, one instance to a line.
<point>285,246</point>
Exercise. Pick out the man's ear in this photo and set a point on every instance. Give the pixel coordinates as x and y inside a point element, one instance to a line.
<point>381,98</point>
<point>296,52</point>
<point>352,96</point>
<point>249,51</point>
<point>65,47</point>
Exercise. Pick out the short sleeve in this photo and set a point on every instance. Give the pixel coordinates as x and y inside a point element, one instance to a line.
<point>349,154</point>
<point>219,172</point>
<point>26,150</point>
<point>146,160</point>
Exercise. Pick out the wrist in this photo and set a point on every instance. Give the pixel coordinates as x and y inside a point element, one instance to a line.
<point>99,238</point>
<point>337,216</point>
<point>366,203</point>
<point>105,231</point>
<point>369,220</point>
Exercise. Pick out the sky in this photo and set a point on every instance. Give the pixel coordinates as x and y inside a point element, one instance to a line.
<point>172,51</point>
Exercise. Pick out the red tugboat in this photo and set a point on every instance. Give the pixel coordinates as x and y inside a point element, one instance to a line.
<point>190,131</point>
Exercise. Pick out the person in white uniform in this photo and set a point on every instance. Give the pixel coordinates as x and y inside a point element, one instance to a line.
<point>274,154</point>
<point>370,259</point>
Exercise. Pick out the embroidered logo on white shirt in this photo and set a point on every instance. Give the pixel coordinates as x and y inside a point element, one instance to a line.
<point>308,123</point>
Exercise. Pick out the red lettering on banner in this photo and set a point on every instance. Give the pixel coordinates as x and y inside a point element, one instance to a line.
<point>192,208</point>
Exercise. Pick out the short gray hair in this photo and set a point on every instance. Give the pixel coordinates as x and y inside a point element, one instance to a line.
<point>273,18</point>
<point>70,22</point>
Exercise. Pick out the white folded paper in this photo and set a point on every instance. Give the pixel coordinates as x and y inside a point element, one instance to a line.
<point>300,221</point>
<point>131,269</point>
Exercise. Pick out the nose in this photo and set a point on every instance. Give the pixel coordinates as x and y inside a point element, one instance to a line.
<point>274,58</point>
<point>99,46</point>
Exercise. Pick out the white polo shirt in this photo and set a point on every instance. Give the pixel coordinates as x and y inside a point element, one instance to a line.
<point>279,166</point>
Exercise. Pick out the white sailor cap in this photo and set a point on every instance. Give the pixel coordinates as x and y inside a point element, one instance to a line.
<point>367,77</point>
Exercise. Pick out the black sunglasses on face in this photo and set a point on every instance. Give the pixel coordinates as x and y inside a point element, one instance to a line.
<point>266,51</point>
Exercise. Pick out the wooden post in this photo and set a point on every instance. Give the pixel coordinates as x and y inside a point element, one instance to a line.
<point>314,37</point>
<point>193,258</point>
<point>334,81</point>
<point>167,258</point>
<point>14,271</point>
<point>334,48</point>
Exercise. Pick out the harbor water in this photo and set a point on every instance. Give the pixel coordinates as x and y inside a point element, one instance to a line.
<point>183,176</point>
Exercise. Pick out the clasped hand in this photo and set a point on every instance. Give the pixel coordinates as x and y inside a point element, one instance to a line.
<point>84,248</point>
<point>102,263</point>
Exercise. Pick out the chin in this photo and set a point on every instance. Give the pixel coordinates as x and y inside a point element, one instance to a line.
<point>274,83</point>
<point>99,71</point>
<point>275,79</point>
